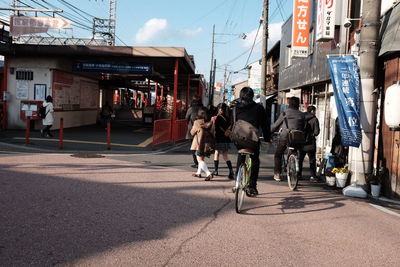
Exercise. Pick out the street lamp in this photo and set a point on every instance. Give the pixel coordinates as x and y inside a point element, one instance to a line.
<point>347,22</point>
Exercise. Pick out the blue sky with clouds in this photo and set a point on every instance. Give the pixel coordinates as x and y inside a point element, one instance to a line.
<point>187,23</point>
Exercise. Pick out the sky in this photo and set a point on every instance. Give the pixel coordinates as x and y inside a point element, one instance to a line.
<point>184,23</point>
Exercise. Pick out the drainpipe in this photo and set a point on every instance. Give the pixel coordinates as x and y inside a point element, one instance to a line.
<point>361,158</point>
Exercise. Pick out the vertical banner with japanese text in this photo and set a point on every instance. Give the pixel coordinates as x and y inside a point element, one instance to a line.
<point>300,27</point>
<point>326,20</point>
<point>345,76</point>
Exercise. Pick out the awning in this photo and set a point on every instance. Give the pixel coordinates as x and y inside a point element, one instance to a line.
<point>390,32</point>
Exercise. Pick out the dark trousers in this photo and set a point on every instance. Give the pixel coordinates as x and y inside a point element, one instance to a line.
<point>280,149</point>
<point>255,158</point>
<point>312,159</point>
<point>46,130</point>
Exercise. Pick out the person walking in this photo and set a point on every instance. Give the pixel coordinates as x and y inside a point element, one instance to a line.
<point>295,121</point>
<point>106,112</point>
<point>222,133</point>
<point>191,116</point>
<point>49,119</point>
<point>310,147</point>
<point>246,109</point>
<point>201,132</point>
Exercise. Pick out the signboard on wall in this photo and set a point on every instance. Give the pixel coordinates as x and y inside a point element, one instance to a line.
<point>74,92</point>
<point>326,20</point>
<point>20,25</point>
<point>40,91</point>
<point>22,89</point>
<point>300,27</point>
<point>114,67</point>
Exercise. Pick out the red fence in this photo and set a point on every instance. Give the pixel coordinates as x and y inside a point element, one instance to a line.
<point>161,132</point>
<point>180,130</point>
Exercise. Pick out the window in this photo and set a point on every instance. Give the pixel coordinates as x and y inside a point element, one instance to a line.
<point>288,56</point>
<point>24,75</point>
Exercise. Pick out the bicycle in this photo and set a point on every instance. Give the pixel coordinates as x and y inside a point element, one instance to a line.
<point>242,179</point>
<point>292,168</point>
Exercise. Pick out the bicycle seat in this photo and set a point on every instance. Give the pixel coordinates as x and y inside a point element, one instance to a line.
<point>245,151</point>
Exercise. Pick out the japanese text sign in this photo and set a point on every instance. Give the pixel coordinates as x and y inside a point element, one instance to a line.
<point>20,25</point>
<point>326,19</point>
<point>346,85</point>
<point>300,27</point>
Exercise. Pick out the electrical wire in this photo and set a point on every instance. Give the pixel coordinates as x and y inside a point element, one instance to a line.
<point>252,47</point>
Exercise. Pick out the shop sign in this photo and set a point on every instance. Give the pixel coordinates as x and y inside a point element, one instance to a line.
<point>300,27</point>
<point>345,76</point>
<point>326,20</point>
<point>20,25</point>
<point>114,67</point>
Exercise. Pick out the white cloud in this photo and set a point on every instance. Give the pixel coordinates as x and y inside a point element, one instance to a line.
<point>158,30</point>
<point>152,30</point>
<point>274,31</point>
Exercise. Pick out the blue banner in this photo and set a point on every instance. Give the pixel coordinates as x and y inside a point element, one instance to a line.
<point>229,93</point>
<point>113,67</point>
<point>345,75</point>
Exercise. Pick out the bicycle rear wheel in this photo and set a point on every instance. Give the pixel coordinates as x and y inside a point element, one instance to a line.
<point>240,189</point>
<point>292,172</point>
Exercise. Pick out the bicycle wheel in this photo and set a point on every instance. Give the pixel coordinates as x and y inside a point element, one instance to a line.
<point>292,172</point>
<point>240,188</point>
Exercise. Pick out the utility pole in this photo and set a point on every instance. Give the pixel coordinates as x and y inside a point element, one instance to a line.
<point>224,86</point>
<point>264,48</point>
<point>213,79</point>
<point>211,85</point>
<point>361,158</point>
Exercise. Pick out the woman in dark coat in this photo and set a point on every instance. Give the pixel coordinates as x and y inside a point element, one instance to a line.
<point>222,129</point>
<point>191,116</point>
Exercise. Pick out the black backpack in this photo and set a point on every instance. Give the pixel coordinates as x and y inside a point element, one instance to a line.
<point>42,112</point>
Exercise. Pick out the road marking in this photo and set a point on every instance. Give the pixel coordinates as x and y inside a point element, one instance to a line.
<point>385,210</point>
<point>143,144</point>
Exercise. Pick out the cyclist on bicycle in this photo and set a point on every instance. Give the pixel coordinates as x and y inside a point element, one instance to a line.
<point>295,121</point>
<point>253,113</point>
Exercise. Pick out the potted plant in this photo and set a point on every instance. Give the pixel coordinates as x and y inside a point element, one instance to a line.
<point>375,180</point>
<point>341,175</point>
<point>330,178</point>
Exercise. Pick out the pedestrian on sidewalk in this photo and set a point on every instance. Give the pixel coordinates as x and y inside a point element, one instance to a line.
<point>202,142</point>
<point>49,119</point>
<point>222,132</point>
<point>310,147</point>
<point>191,116</point>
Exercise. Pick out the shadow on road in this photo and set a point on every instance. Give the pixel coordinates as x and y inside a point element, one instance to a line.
<point>51,219</point>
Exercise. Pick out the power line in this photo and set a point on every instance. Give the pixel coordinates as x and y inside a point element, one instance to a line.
<point>252,47</point>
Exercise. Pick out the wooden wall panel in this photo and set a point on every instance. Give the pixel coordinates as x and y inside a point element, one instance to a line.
<point>391,152</point>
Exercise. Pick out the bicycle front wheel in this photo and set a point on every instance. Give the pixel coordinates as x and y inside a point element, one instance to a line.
<point>292,172</point>
<point>240,188</point>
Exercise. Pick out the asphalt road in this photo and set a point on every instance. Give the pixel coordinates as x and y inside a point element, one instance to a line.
<point>147,210</point>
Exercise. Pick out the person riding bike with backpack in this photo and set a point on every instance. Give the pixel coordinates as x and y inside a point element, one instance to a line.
<point>291,119</point>
<point>248,110</point>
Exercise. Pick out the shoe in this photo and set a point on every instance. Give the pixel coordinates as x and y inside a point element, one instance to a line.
<point>231,176</point>
<point>215,173</point>
<point>251,192</point>
<point>209,177</point>
<point>194,166</point>
<point>313,179</point>
<point>277,177</point>
<point>196,175</point>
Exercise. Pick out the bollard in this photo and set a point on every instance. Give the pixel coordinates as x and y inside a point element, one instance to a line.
<point>27,130</point>
<point>108,135</point>
<point>61,133</point>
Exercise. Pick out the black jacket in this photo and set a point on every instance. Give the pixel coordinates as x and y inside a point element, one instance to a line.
<point>255,114</point>
<point>295,120</point>
<point>312,130</point>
